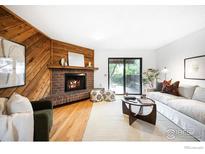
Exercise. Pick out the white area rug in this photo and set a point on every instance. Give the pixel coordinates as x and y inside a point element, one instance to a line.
<point>107,123</point>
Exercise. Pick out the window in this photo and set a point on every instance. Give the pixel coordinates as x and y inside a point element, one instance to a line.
<point>125,75</point>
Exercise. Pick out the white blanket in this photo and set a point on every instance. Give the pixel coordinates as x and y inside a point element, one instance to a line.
<point>16,119</point>
<point>17,127</point>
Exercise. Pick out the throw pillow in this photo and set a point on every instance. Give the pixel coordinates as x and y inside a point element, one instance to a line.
<point>186,91</point>
<point>3,102</point>
<point>172,89</point>
<point>165,83</point>
<point>199,94</point>
<point>18,104</point>
<point>159,86</point>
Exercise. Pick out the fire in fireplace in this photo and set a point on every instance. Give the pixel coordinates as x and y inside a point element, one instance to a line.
<point>75,81</point>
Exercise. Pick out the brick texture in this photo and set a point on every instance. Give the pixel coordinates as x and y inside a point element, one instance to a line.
<point>59,96</point>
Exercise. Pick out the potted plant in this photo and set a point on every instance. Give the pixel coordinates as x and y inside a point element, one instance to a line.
<point>149,77</point>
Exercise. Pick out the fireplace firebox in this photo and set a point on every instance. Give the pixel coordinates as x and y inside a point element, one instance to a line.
<point>75,81</point>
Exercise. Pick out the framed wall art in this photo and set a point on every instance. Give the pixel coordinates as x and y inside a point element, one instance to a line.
<point>194,68</point>
<point>76,59</point>
<point>12,64</point>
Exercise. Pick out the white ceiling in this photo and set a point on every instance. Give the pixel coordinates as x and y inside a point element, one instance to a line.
<point>115,27</point>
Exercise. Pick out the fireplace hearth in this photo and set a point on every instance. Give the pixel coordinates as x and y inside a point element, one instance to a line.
<point>70,85</point>
<point>74,81</point>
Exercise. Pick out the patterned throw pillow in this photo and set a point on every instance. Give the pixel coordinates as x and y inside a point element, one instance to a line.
<point>109,96</point>
<point>96,95</point>
<point>172,89</point>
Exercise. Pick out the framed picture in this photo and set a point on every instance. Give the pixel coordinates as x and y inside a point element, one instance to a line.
<point>194,68</point>
<point>12,64</point>
<point>76,59</point>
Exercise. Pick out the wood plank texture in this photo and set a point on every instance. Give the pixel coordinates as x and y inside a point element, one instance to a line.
<point>40,52</point>
<point>61,49</point>
<point>70,121</point>
<point>37,55</point>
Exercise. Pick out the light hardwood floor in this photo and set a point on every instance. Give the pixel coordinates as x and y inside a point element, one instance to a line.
<point>70,121</point>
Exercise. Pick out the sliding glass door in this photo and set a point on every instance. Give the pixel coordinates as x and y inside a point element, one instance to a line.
<point>133,76</point>
<point>116,75</point>
<point>125,75</point>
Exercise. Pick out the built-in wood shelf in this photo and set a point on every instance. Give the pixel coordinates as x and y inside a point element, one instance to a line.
<point>71,67</point>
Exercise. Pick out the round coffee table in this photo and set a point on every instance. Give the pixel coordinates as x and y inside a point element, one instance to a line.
<point>143,109</point>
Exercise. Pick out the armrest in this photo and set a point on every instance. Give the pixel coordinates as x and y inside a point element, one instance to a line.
<point>41,126</point>
<point>41,105</point>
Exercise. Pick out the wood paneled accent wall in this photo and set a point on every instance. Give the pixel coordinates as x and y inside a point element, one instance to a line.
<point>38,47</point>
<point>40,51</point>
<point>60,50</point>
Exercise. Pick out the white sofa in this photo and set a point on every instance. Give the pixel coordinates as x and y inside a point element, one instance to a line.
<point>187,110</point>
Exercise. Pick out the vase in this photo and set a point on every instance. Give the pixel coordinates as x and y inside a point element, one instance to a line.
<point>62,62</point>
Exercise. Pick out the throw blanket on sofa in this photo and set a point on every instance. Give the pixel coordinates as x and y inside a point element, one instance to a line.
<point>16,127</point>
<point>16,119</point>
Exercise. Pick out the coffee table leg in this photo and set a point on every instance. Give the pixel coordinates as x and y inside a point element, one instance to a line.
<point>132,118</point>
<point>125,110</point>
<point>151,118</point>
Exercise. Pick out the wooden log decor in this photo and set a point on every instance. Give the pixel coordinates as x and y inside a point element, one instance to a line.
<point>40,52</point>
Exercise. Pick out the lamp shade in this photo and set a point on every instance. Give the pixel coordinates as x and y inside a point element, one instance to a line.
<point>164,70</point>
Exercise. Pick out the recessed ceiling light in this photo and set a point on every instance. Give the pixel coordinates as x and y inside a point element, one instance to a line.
<point>98,36</point>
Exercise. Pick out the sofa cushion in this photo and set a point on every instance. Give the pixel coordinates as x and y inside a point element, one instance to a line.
<point>18,104</point>
<point>192,108</point>
<point>199,94</point>
<point>3,102</point>
<point>187,91</point>
<point>162,97</point>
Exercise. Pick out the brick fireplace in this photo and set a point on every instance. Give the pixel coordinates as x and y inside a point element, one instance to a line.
<point>69,85</point>
<point>75,81</point>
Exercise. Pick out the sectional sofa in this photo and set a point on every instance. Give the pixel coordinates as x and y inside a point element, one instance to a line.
<point>187,110</point>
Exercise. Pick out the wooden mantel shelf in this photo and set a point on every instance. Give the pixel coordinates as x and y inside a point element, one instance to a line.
<point>71,67</point>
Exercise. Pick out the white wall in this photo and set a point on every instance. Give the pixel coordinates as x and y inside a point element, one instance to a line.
<point>172,56</point>
<point>101,61</point>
